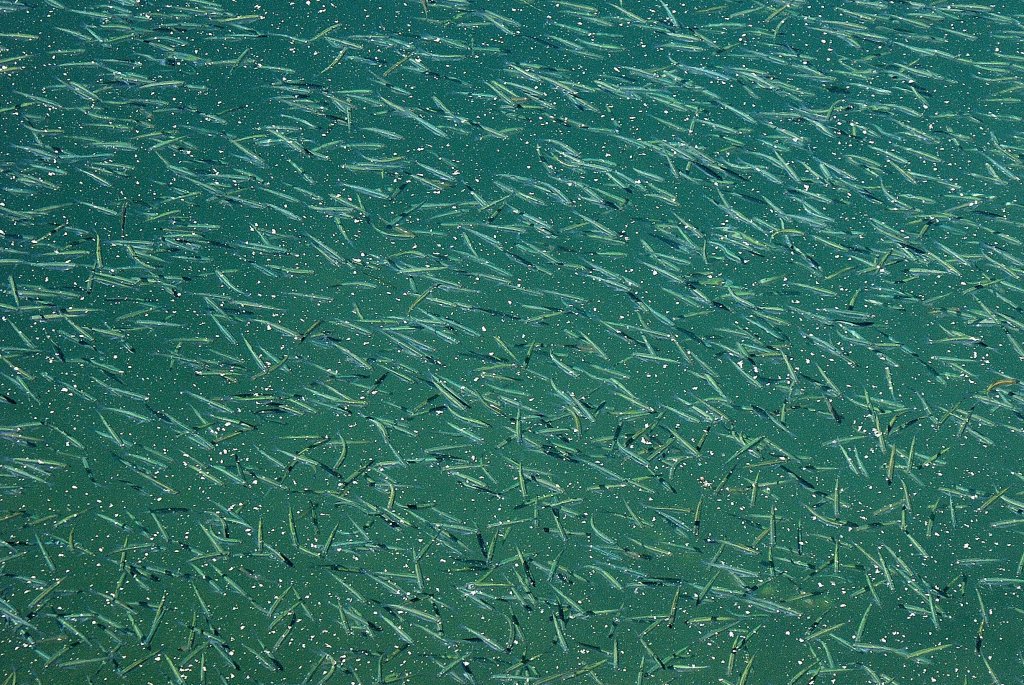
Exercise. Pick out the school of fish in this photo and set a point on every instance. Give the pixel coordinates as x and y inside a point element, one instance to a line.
<point>523,341</point>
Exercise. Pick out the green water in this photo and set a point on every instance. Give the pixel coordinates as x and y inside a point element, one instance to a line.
<point>514,342</point>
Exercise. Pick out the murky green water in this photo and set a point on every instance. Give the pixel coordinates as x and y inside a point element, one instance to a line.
<point>518,342</point>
